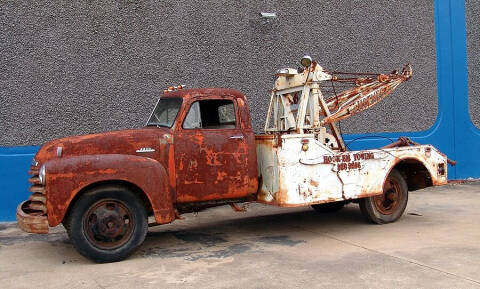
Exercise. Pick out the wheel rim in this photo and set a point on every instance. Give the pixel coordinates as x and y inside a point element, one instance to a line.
<point>388,202</point>
<point>108,224</point>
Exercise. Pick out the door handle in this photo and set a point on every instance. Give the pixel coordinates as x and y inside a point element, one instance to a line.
<point>236,137</point>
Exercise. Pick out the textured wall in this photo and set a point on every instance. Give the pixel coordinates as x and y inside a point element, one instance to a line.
<point>73,67</point>
<point>473,56</point>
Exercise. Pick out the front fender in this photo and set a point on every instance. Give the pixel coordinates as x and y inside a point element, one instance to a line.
<point>66,177</point>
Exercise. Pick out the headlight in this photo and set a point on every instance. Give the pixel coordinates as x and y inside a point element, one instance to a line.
<point>306,61</point>
<point>41,175</point>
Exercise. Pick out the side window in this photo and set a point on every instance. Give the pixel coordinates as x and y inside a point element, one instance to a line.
<point>211,114</point>
<point>193,120</point>
<point>226,114</point>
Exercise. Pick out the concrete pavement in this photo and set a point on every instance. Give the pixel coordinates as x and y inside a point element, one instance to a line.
<point>436,244</point>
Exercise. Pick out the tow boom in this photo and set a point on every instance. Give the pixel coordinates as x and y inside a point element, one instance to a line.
<point>297,104</point>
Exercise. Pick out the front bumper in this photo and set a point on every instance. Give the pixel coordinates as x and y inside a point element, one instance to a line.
<point>31,221</point>
<point>32,214</point>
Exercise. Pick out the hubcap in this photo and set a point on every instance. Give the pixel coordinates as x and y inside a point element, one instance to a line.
<point>389,201</point>
<point>108,224</point>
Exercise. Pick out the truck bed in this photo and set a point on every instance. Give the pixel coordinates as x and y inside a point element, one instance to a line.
<point>291,176</point>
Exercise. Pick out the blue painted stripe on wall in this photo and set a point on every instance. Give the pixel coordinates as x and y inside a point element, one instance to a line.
<point>14,165</point>
<point>467,135</point>
<point>453,131</point>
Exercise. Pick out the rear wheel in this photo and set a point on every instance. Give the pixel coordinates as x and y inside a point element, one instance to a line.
<point>389,206</point>
<point>329,207</point>
<point>107,224</point>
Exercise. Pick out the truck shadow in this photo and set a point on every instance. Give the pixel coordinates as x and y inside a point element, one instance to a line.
<point>208,237</point>
<point>214,234</point>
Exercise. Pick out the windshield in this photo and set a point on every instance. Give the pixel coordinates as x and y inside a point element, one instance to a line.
<point>165,112</point>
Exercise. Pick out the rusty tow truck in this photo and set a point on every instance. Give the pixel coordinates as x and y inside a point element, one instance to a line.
<point>198,150</point>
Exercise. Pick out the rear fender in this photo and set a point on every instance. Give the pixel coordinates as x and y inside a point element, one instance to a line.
<point>66,177</point>
<point>418,169</point>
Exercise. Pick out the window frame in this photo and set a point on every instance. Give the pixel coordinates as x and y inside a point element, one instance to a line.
<point>193,101</point>
<point>176,116</point>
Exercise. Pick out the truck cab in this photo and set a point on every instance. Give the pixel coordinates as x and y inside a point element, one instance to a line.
<point>214,145</point>
<point>197,150</point>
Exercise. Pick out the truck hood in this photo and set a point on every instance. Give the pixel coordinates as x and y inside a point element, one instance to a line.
<point>148,142</point>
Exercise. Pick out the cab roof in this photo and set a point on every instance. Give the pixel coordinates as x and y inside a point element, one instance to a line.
<point>194,92</point>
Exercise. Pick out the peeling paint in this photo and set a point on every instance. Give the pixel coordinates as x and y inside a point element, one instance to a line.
<point>318,175</point>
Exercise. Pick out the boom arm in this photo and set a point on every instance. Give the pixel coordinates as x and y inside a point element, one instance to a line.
<point>368,92</point>
<point>297,104</point>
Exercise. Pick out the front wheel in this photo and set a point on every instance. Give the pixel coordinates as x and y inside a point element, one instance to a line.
<point>107,224</point>
<point>389,206</point>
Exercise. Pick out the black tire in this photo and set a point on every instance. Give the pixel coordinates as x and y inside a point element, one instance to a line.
<point>389,206</point>
<point>329,207</point>
<point>107,224</point>
<point>65,225</point>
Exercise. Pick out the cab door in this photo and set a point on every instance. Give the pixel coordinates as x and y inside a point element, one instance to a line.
<point>211,152</point>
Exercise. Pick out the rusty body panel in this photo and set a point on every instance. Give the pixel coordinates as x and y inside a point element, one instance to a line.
<point>87,159</point>
<point>214,164</point>
<point>114,142</point>
<point>67,176</point>
<point>295,177</point>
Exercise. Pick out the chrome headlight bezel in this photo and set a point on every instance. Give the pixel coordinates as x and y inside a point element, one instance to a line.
<point>41,174</point>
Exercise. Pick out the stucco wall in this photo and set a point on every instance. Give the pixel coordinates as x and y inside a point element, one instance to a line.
<point>74,67</point>
<point>472,10</point>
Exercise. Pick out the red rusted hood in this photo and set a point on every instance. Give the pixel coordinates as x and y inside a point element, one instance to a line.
<point>149,142</point>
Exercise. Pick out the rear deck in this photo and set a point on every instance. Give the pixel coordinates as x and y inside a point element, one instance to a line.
<point>298,170</point>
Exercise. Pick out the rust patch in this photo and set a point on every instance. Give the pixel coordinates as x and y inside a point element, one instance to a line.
<point>30,220</point>
<point>217,163</point>
<point>147,174</point>
<point>367,92</point>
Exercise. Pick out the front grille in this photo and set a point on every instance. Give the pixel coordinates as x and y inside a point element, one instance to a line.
<point>37,202</point>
